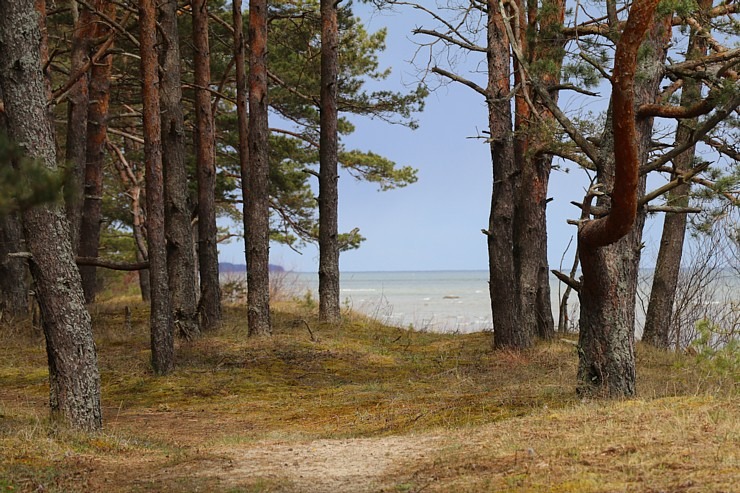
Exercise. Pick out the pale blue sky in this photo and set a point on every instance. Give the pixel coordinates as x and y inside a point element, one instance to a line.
<point>434,224</point>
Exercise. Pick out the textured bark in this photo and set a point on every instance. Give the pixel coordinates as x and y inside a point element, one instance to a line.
<point>77,102</point>
<point>205,143</point>
<point>329,309</point>
<point>242,103</point>
<point>530,224</point>
<point>507,332</point>
<point>665,279</point>
<point>178,210</point>
<point>73,373</point>
<point>97,130</point>
<point>609,247</point>
<point>14,283</point>
<point>13,280</point>
<point>257,207</point>
<point>162,344</point>
<point>517,243</point>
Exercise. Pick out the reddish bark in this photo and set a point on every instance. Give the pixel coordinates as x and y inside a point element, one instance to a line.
<point>329,309</point>
<point>162,343</point>
<point>77,102</point>
<point>96,134</point>
<point>604,231</point>
<point>609,246</point>
<point>257,208</point>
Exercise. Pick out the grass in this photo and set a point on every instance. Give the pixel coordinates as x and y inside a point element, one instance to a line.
<point>500,421</point>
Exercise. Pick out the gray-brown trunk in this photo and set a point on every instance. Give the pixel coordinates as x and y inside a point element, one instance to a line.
<point>508,331</point>
<point>210,289</point>
<point>73,372</point>
<point>13,280</point>
<point>659,316</point>
<point>162,335</point>
<point>178,229</point>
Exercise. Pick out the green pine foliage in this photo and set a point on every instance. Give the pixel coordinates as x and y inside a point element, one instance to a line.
<point>24,182</point>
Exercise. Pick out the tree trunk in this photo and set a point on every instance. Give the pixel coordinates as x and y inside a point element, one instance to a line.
<point>328,174</point>
<point>609,247</point>
<point>205,142</point>
<point>178,229</point>
<point>257,207</point>
<point>665,279</point>
<point>13,280</point>
<point>242,103</point>
<point>144,285</point>
<point>507,332</point>
<point>14,283</point>
<point>77,103</point>
<point>520,278</point>
<point>97,130</point>
<point>162,344</point>
<point>73,372</point>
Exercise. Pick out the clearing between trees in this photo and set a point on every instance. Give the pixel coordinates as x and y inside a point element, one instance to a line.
<point>363,408</point>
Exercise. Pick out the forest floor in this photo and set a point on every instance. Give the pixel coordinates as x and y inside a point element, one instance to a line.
<point>363,408</point>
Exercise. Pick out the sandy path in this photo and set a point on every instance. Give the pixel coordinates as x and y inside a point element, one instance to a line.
<point>351,465</point>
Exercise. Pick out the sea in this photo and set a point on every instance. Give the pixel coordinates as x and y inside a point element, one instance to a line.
<point>458,301</point>
<point>439,301</point>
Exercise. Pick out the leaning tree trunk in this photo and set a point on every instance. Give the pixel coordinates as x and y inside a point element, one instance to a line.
<point>507,332</point>
<point>73,372</point>
<point>178,229</point>
<point>665,279</point>
<point>609,247</point>
<point>257,207</point>
<point>329,310</point>
<point>162,344</point>
<point>97,131</point>
<point>205,142</point>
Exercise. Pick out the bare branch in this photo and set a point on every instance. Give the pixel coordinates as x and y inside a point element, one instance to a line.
<point>461,80</point>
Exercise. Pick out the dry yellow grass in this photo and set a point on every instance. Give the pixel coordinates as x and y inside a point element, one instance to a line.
<point>364,408</point>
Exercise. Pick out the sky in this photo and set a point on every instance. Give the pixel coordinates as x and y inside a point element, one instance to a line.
<point>435,223</point>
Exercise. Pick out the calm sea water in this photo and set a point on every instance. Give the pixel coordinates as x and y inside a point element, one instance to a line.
<point>455,301</point>
<point>446,301</point>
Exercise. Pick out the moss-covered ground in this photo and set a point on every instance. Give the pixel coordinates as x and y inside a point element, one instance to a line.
<point>450,413</point>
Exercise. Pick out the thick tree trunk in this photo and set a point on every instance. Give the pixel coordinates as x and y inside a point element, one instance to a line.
<point>73,373</point>
<point>609,247</point>
<point>507,331</point>
<point>520,280</point>
<point>665,279</point>
<point>13,280</point>
<point>257,207</point>
<point>178,229</point>
<point>329,310</point>
<point>97,130</point>
<point>162,344</point>
<point>205,142</point>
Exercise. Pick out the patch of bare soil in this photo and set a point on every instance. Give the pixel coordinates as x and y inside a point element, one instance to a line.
<point>357,465</point>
